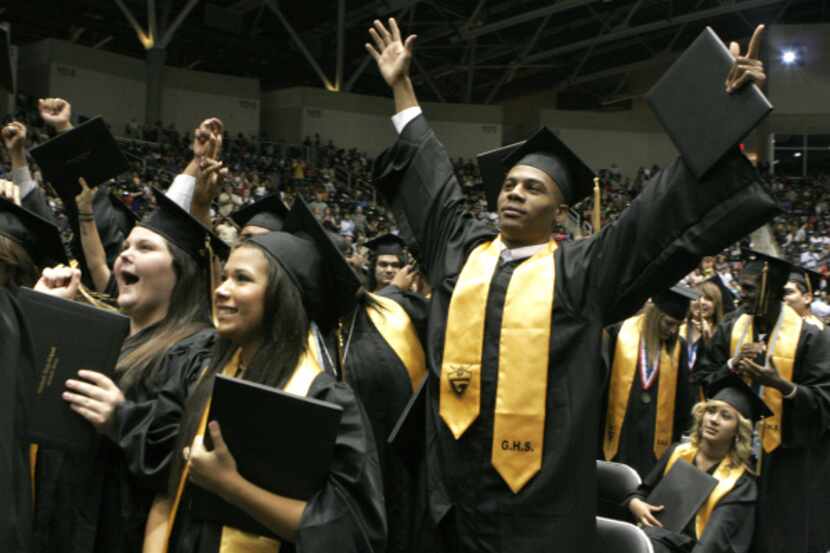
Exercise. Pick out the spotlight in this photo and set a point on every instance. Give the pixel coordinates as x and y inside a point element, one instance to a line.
<point>797,154</point>
<point>789,57</point>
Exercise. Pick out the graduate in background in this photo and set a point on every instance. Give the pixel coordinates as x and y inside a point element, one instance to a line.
<point>787,361</point>
<point>97,501</point>
<point>649,398</point>
<point>798,293</point>
<point>273,285</point>
<point>720,445</point>
<point>26,242</point>
<point>386,259</point>
<point>707,272</point>
<point>515,320</point>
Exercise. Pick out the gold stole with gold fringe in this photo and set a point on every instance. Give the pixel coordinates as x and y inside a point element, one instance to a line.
<point>397,330</point>
<point>232,539</point>
<point>623,372</point>
<point>726,474</point>
<point>524,353</point>
<point>784,350</point>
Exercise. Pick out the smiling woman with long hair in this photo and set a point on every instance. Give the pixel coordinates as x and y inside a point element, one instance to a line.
<point>263,323</point>
<point>720,445</point>
<point>98,500</point>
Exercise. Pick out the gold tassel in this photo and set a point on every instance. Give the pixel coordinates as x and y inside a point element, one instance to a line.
<point>213,281</point>
<point>761,306</point>
<point>597,214</point>
<point>95,299</point>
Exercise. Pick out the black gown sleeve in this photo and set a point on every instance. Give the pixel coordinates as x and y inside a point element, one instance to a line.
<point>732,523</point>
<point>348,514</point>
<point>713,354</point>
<point>36,202</point>
<point>684,395</point>
<point>18,373</point>
<point>806,418</point>
<point>146,428</point>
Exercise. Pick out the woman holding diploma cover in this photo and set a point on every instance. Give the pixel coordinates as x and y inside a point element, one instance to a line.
<point>270,291</point>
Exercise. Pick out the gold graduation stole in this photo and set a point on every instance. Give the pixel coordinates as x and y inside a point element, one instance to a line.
<point>398,332</point>
<point>623,372</point>
<point>524,350</point>
<point>784,349</point>
<point>234,540</point>
<point>33,449</point>
<point>726,474</point>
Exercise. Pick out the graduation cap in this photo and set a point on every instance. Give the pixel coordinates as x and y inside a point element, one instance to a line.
<point>340,284</point>
<point>386,244</point>
<point>40,238</point>
<point>88,150</point>
<point>733,390</point>
<point>773,272</point>
<point>181,229</point>
<point>806,278</point>
<point>6,69</point>
<point>674,302</point>
<point>268,213</point>
<point>543,151</point>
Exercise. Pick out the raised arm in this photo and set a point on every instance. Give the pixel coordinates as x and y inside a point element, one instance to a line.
<point>94,254</point>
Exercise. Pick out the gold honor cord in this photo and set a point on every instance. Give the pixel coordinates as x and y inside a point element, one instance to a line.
<point>397,330</point>
<point>726,474</point>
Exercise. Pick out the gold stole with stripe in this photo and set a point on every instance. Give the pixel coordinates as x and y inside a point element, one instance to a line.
<point>397,330</point>
<point>524,352</point>
<point>623,373</point>
<point>232,539</point>
<point>789,331</point>
<point>726,474</point>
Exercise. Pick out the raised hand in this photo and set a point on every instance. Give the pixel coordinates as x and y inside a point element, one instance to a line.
<point>84,199</point>
<point>405,278</point>
<point>392,54</point>
<point>56,113</point>
<point>747,68</point>
<point>216,129</point>
<point>203,143</point>
<point>10,191</point>
<point>62,282</point>
<point>209,180</point>
<point>14,137</point>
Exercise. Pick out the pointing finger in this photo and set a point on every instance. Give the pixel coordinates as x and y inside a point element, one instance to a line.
<point>755,43</point>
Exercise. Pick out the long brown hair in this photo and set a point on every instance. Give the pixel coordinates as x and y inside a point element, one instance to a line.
<point>16,265</point>
<point>187,314</point>
<point>712,293</point>
<point>741,448</point>
<point>285,327</point>
<point>652,317</point>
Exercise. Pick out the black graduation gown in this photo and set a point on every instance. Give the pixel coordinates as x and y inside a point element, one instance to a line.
<point>347,515</point>
<point>98,501</point>
<point>18,375</point>
<point>636,447</point>
<point>787,478</point>
<point>382,384</point>
<point>729,529</point>
<point>599,281</point>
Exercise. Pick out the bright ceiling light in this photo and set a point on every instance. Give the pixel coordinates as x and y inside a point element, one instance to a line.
<point>789,57</point>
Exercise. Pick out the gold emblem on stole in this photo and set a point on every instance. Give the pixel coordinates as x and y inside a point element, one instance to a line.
<point>459,377</point>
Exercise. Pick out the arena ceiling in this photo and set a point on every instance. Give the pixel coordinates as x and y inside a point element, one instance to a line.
<point>480,51</point>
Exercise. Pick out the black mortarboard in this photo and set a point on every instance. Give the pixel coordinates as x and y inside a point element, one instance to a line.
<point>386,244</point>
<point>181,229</point>
<point>268,213</point>
<point>674,302</point>
<point>89,151</point>
<point>340,283</point>
<point>810,280</point>
<point>40,238</point>
<point>6,69</point>
<point>774,273</point>
<point>703,120</point>
<point>544,151</point>
<point>733,390</point>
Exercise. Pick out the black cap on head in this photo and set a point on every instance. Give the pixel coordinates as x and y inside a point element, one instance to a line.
<point>300,258</point>
<point>774,272</point>
<point>181,229</point>
<point>340,284</point>
<point>544,151</point>
<point>40,238</point>
<point>809,280</point>
<point>268,213</point>
<point>386,244</point>
<point>733,390</point>
<point>674,302</point>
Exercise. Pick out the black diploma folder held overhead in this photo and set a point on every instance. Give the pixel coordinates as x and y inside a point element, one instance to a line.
<point>681,492</point>
<point>67,336</point>
<point>89,151</point>
<point>281,442</point>
<point>691,102</point>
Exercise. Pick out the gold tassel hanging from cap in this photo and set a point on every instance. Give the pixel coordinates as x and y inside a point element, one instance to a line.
<point>214,282</point>
<point>761,304</point>
<point>597,213</point>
